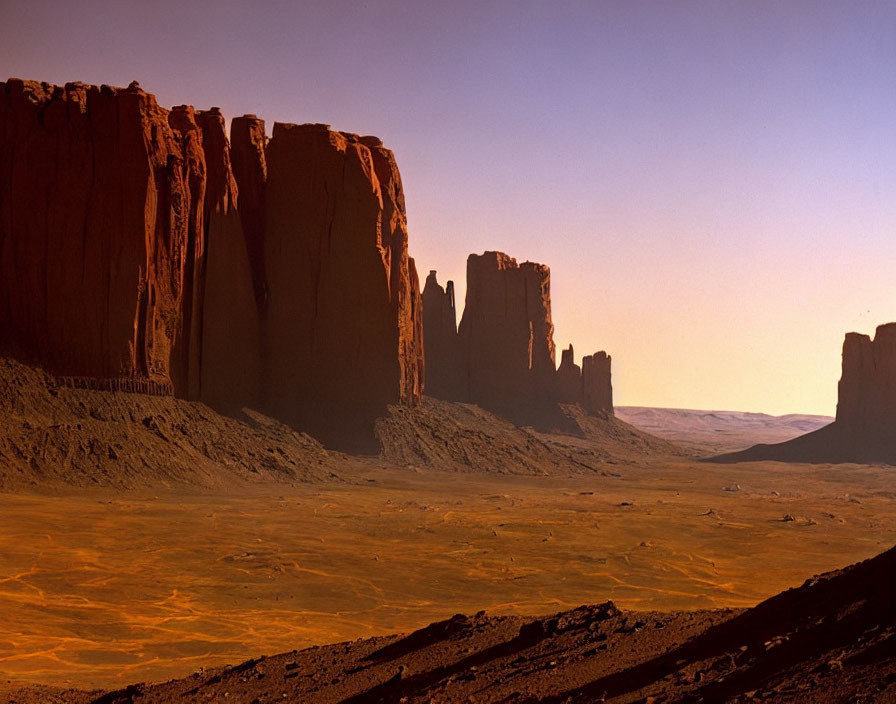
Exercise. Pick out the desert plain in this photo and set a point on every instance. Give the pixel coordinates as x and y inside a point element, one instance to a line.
<point>101,588</point>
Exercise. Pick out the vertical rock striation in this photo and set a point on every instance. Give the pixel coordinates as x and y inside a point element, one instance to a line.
<point>440,341</point>
<point>597,387</point>
<point>341,318</point>
<point>100,209</point>
<point>502,355</point>
<point>506,333</point>
<point>229,347</point>
<point>140,244</point>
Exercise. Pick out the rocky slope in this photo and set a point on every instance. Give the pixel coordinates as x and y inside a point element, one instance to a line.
<point>831,640</point>
<point>55,434</point>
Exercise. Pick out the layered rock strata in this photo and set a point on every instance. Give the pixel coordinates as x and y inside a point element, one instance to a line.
<point>142,244</point>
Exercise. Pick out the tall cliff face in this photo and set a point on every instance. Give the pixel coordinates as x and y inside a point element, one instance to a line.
<point>100,215</point>
<point>502,355</point>
<point>139,244</point>
<point>597,387</point>
<point>443,378</point>
<point>569,378</point>
<point>506,334</point>
<point>229,345</point>
<point>866,406</point>
<point>341,316</point>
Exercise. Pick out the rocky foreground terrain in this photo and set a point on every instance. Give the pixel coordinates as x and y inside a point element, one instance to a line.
<point>831,640</point>
<point>53,434</point>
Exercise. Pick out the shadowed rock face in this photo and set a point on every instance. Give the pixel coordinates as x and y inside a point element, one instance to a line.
<point>569,378</point>
<point>866,405</point>
<point>506,334</point>
<point>229,376</point>
<point>865,427</point>
<point>137,243</point>
<point>341,320</point>
<point>440,341</point>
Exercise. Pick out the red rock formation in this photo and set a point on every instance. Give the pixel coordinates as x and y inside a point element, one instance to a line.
<point>865,427</point>
<point>135,245</point>
<point>340,312</point>
<point>506,333</point>
<point>569,378</point>
<point>440,341</point>
<point>867,391</point>
<point>99,219</point>
<point>250,171</point>
<point>597,388</point>
<point>228,345</point>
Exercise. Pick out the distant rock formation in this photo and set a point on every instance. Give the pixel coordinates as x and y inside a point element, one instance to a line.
<point>866,406</point>
<point>506,335</point>
<point>502,355</point>
<point>597,387</point>
<point>865,426</point>
<point>141,244</point>
<point>440,341</point>
<point>569,378</point>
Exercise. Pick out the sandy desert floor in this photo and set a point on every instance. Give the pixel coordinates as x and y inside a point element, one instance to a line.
<point>102,589</point>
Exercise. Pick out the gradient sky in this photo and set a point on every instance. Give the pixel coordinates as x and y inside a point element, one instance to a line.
<point>713,184</point>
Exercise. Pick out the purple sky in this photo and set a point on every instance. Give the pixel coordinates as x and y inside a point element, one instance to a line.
<point>712,183</point>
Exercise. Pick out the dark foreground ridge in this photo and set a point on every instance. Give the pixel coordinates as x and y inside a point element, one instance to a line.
<point>831,640</point>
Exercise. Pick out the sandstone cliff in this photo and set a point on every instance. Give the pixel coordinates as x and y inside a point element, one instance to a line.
<point>138,244</point>
<point>865,426</point>
<point>101,205</point>
<point>340,321</point>
<point>569,378</point>
<point>502,355</point>
<point>440,341</point>
<point>597,388</point>
<point>506,333</point>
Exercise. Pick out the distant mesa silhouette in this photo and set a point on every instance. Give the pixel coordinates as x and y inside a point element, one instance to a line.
<point>864,430</point>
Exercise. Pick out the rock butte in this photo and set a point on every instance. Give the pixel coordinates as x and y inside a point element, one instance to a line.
<point>502,355</point>
<point>143,249</point>
<point>140,245</point>
<point>865,427</point>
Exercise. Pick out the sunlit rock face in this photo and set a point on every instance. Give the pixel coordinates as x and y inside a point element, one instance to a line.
<point>141,245</point>
<point>101,206</point>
